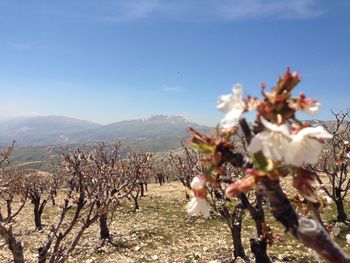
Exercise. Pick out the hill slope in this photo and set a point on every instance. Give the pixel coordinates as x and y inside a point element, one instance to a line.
<point>58,130</point>
<point>155,127</point>
<point>42,130</point>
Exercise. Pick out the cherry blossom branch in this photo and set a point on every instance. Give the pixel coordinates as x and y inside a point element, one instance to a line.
<point>311,234</point>
<point>280,144</point>
<point>307,231</point>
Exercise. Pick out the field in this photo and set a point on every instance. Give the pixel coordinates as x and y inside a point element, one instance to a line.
<point>159,232</point>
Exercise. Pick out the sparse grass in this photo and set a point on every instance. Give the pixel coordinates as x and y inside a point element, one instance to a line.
<point>160,232</point>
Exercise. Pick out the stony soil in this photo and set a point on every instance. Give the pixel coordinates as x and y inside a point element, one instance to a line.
<point>159,232</point>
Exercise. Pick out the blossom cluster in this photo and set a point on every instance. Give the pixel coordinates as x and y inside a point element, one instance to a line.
<point>198,203</point>
<point>278,139</point>
<point>283,138</point>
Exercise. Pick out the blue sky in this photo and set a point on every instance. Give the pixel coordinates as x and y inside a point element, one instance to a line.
<point>106,60</point>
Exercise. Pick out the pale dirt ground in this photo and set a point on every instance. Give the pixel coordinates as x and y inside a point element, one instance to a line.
<point>159,232</point>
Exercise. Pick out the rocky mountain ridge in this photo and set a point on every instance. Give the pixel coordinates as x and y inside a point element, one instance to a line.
<point>57,130</point>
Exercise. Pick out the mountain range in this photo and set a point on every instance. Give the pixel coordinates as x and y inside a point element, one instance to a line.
<point>61,130</point>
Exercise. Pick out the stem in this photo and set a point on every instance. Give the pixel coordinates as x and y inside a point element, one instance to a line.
<point>281,208</point>
<point>307,231</point>
<point>313,235</point>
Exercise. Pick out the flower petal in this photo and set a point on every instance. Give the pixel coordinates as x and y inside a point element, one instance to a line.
<point>197,182</point>
<point>224,103</point>
<point>274,127</point>
<point>233,104</point>
<point>312,108</point>
<point>237,91</point>
<point>274,145</point>
<point>231,118</point>
<point>198,206</point>
<point>348,238</point>
<point>318,132</point>
<point>304,147</point>
<point>256,143</point>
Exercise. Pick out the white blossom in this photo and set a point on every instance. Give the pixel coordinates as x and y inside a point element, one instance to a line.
<point>335,231</point>
<point>322,193</point>
<point>311,108</point>
<point>305,146</point>
<point>328,199</point>
<point>198,205</point>
<point>348,238</point>
<point>273,141</point>
<point>197,182</point>
<point>233,105</point>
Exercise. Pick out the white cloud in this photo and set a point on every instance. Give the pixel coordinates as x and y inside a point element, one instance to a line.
<point>285,9</point>
<point>21,46</point>
<point>167,88</point>
<point>36,46</point>
<point>122,11</point>
<point>5,115</point>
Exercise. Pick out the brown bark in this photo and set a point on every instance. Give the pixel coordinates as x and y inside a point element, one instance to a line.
<point>14,245</point>
<point>142,189</point>
<point>9,208</point>
<point>258,245</point>
<point>259,248</point>
<point>37,215</point>
<point>236,230</point>
<point>136,202</point>
<point>342,216</point>
<point>38,210</point>
<point>234,222</point>
<point>45,248</point>
<point>104,231</point>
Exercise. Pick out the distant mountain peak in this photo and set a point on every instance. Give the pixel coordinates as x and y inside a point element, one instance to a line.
<point>52,129</point>
<point>168,118</point>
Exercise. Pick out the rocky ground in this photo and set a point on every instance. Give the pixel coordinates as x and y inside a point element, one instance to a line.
<point>159,232</point>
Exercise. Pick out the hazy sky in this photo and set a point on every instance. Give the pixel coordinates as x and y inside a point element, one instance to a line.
<point>105,60</point>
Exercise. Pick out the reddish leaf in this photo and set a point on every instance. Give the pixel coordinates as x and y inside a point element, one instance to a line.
<point>240,186</point>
